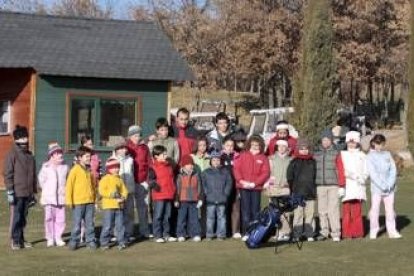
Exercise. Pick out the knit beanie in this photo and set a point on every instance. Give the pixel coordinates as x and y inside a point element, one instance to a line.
<point>20,132</point>
<point>353,136</point>
<point>187,160</point>
<point>303,143</point>
<point>215,154</point>
<point>135,129</point>
<point>53,148</point>
<point>327,133</point>
<point>112,163</point>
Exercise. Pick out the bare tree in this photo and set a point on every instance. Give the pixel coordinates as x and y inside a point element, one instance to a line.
<point>83,8</point>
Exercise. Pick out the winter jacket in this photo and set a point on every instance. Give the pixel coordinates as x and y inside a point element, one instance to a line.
<point>20,172</point>
<point>217,185</point>
<point>52,181</point>
<point>326,172</point>
<point>108,186</point>
<point>382,172</point>
<point>142,160</point>
<point>171,144</point>
<point>189,187</point>
<point>126,172</point>
<point>80,188</point>
<point>94,167</point>
<point>186,138</point>
<point>162,174</point>
<point>301,175</point>
<point>352,174</point>
<point>251,168</point>
<point>278,184</point>
<point>201,163</point>
<point>271,148</point>
<point>215,140</point>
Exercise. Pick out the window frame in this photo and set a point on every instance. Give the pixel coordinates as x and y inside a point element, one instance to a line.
<point>97,97</point>
<point>9,111</point>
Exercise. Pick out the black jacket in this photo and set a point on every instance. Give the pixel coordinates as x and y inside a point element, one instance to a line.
<point>301,174</point>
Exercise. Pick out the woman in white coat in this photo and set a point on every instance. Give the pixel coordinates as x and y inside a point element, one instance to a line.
<point>352,175</point>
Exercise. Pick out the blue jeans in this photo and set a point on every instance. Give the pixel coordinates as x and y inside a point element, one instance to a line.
<point>142,210</point>
<point>19,210</point>
<point>187,221</point>
<point>129,216</point>
<point>109,217</point>
<point>249,207</point>
<point>84,212</point>
<point>161,222</point>
<point>216,211</point>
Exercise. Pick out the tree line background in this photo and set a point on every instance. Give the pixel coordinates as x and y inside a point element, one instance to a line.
<point>324,53</point>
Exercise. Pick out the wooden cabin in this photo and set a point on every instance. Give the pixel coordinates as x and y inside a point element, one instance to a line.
<point>66,77</point>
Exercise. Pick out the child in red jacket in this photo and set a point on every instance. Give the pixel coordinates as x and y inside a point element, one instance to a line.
<point>251,171</point>
<point>161,181</point>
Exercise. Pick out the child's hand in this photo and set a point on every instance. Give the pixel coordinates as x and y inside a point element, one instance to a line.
<point>252,185</point>
<point>266,185</point>
<point>120,199</point>
<point>199,204</point>
<point>341,192</point>
<point>176,204</point>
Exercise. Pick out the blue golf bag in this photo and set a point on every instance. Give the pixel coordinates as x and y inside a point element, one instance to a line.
<point>260,230</point>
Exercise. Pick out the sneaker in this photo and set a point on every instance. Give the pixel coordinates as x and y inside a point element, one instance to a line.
<point>121,247</point>
<point>150,236</point>
<point>237,236</point>
<point>92,246</point>
<point>82,240</point>
<point>181,239</point>
<point>395,235</point>
<point>105,247</point>
<point>245,237</point>
<point>321,238</point>
<point>15,246</point>
<point>311,239</point>
<point>171,239</point>
<point>159,240</point>
<point>336,239</point>
<point>197,239</point>
<point>60,243</point>
<point>283,238</point>
<point>50,243</point>
<point>113,239</point>
<point>27,244</point>
<point>372,236</point>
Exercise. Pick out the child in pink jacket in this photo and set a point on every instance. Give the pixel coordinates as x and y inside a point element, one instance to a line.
<point>52,180</point>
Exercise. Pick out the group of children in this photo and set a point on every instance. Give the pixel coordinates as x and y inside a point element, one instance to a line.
<point>193,186</point>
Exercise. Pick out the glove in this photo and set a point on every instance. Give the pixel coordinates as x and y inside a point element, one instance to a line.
<point>145,185</point>
<point>252,185</point>
<point>199,204</point>
<point>10,197</point>
<point>266,185</point>
<point>32,201</point>
<point>341,192</point>
<point>176,204</point>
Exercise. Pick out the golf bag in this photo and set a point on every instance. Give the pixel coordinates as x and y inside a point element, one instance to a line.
<point>260,230</point>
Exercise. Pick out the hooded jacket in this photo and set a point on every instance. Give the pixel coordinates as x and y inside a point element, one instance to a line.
<point>142,160</point>
<point>109,185</point>
<point>162,174</point>
<point>80,188</point>
<point>382,172</point>
<point>189,187</point>
<point>252,168</point>
<point>126,172</point>
<point>52,181</point>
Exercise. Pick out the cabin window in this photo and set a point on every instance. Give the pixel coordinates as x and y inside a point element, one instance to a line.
<point>4,117</point>
<point>104,119</point>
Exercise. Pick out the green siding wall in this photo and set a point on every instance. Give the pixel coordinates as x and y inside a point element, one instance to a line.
<point>51,105</point>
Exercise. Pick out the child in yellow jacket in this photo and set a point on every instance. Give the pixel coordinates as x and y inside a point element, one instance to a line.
<point>113,192</point>
<point>80,197</point>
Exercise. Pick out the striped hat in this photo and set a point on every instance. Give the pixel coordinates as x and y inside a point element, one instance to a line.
<point>112,163</point>
<point>53,148</point>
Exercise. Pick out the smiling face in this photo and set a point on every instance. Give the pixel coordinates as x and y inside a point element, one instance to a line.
<point>379,146</point>
<point>282,133</point>
<point>222,126</point>
<point>201,147</point>
<point>228,146</point>
<point>326,143</point>
<point>255,147</point>
<point>85,159</point>
<point>57,157</point>
<point>282,149</point>
<point>303,151</point>
<point>162,132</point>
<point>162,157</point>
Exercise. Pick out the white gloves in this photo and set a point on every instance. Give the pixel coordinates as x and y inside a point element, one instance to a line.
<point>266,185</point>
<point>176,204</point>
<point>145,185</point>
<point>199,204</point>
<point>341,192</point>
<point>248,185</point>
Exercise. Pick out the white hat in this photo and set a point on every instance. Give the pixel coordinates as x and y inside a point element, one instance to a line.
<point>353,136</point>
<point>282,142</point>
<point>282,126</point>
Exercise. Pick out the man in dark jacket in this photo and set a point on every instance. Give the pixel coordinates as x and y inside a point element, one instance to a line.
<point>217,136</point>
<point>301,175</point>
<point>217,185</point>
<point>20,180</point>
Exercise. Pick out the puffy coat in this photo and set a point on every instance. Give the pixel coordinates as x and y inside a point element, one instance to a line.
<point>142,160</point>
<point>109,185</point>
<point>252,168</point>
<point>162,174</point>
<point>189,188</point>
<point>52,181</point>
<point>301,175</point>
<point>382,172</point>
<point>20,172</point>
<point>215,140</point>
<point>352,174</point>
<point>80,188</point>
<point>326,171</point>
<point>217,185</point>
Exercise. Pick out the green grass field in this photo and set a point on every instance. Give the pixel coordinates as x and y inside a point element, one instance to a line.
<point>362,257</point>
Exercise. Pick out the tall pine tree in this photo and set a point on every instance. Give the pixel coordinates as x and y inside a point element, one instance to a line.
<point>315,99</point>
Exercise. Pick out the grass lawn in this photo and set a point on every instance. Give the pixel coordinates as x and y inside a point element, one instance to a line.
<point>362,257</point>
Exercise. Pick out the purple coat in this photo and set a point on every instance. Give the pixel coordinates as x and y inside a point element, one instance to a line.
<point>52,181</point>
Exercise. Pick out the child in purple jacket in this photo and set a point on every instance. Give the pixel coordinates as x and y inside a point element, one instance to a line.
<point>52,180</point>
